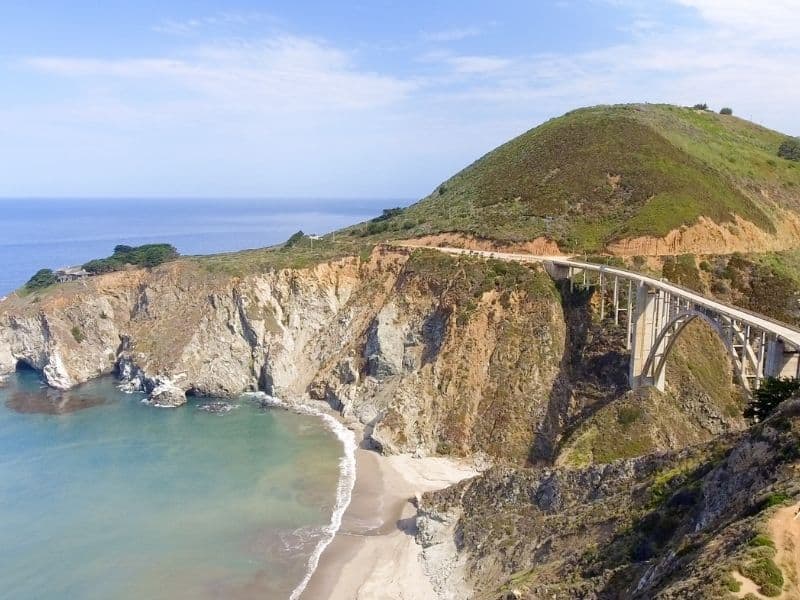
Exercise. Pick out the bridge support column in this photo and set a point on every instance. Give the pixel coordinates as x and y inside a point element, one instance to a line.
<point>645,323</point>
<point>781,361</point>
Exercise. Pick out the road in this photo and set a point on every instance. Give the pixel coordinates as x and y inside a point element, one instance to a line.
<point>785,332</point>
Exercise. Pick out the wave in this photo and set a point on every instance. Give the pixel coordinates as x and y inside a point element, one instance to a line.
<point>344,489</point>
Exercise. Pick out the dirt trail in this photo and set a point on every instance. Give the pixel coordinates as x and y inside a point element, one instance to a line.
<point>784,529</point>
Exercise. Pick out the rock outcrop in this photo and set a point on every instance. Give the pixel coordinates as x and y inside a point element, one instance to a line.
<point>668,526</point>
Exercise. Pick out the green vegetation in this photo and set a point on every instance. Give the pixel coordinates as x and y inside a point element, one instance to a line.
<point>770,395</point>
<point>602,174</point>
<point>764,573</point>
<point>730,583</point>
<point>761,540</point>
<point>683,271</point>
<point>148,255</point>
<point>766,283</point>
<point>774,499</point>
<point>77,334</point>
<point>298,252</point>
<point>790,149</point>
<point>294,239</point>
<point>42,278</point>
<point>726,111</point>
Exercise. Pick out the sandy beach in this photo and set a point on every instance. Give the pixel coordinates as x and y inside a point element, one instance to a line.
<point>374,555</point>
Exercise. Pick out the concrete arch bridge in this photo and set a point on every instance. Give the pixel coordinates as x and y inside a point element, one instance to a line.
<point>655,312</point>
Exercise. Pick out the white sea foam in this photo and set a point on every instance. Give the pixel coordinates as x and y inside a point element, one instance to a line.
<point>344,489</point>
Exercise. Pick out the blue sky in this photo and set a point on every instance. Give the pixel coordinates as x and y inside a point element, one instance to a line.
<point>352,98</point>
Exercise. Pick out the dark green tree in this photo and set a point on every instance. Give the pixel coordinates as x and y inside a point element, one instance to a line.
<point>772,392</point>
<point>295,239</point>
<point>41,279</point>
<point>726,111</point>
<point>790,149</point>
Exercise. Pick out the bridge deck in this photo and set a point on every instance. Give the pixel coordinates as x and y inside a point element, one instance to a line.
<point>783,331</point>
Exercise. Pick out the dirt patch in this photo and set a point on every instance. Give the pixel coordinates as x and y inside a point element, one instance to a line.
<point>708,237</point>
<point>784,530</point>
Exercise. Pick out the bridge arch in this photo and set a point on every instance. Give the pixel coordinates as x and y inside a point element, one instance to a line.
<point>662,346</point>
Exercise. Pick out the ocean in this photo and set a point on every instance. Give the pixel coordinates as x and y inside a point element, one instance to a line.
<point>53,233</point>
<point>107,497</point>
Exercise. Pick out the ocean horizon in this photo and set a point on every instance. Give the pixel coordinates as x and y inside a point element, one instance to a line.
<point>59,232</point>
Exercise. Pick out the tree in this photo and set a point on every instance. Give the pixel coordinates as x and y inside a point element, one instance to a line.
<point>294,239</point>
<point>726,111</point>
<point>41,279</point>
<point>702,106</point>
<point>768,397</point>
<point>790,149</point>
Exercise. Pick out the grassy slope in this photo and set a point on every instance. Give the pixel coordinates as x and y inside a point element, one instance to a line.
<point>600,174</point>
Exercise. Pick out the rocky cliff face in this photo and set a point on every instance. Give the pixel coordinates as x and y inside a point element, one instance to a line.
<point>432,353</point>
<point>660,526</point>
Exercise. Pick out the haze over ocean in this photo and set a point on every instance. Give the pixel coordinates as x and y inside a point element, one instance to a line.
<point>53,233</point>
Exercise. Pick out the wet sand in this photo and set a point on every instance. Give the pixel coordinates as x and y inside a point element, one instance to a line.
<point>374,554</point>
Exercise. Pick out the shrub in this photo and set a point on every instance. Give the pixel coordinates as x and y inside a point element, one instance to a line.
<point>761,540</point>
<point>790,149</point>
<point>702,106</point>
<point>41,279</point>
<point>765,574</point>
<point>388,213</point>
<point>730,583</point>
<point>294,239</point>
<point>769,396</point>
<point>774,500</point>
<point>726,111</point>
<point>627,415</point>
<point>78,334</point>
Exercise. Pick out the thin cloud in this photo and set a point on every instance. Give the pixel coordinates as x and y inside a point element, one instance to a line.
<point>451,35</point>
<point>284,72</point>
<point>186,27</point>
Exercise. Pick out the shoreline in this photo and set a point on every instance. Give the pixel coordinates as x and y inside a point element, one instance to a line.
<point>374,553</point>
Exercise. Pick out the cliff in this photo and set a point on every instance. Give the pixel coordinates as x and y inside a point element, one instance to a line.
<point>674,525</point>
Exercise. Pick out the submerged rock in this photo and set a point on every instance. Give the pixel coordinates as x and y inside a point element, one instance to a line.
<point>51,402</point>
<point>218,408</point>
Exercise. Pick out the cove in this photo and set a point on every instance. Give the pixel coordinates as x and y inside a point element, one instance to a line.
<point>115,499</point>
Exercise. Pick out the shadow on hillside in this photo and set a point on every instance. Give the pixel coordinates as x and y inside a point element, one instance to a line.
<point>593,372</point>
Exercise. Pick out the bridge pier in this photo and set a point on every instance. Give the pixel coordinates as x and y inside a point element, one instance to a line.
<point>648,314</point>
<point>656,312</point>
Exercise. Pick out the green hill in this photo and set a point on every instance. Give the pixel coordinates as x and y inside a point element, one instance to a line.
<point>602,174</point>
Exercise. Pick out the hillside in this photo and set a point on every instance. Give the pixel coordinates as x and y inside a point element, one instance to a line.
<point>616,177</point>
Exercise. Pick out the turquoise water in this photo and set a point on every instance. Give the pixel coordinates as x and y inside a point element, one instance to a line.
<point>122,500</point>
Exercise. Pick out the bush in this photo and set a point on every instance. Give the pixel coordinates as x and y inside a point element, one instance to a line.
<point>769,396</point>
<point>78,334</point>
<point>294,239</point>
<point>702,106</point>
<point>726,111</point>
<point>388,213</point>
<point>627,415</point>
<point>761,540</point>
<point>790,149</point>
<point>41,279</point>
<point>765,574</point>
